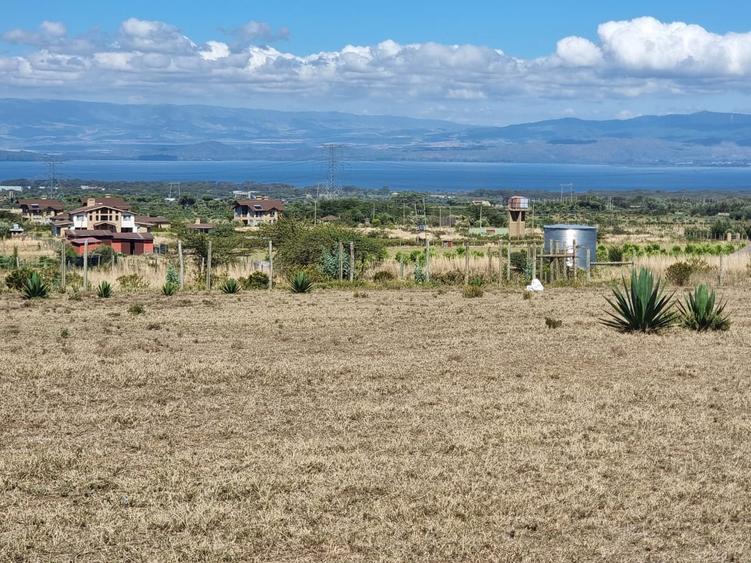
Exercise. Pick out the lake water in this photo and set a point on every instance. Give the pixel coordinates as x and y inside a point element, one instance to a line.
<point>419,176</point>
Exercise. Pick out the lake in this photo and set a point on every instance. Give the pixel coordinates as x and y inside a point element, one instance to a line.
<point>418,176</point>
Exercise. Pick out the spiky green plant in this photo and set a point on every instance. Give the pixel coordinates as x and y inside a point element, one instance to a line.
<point>104,290</point>
<point>35,288</point>
<point>230,285</point>
<point>702,311</point>
<point>641,306</point>
<point>300,283</point>
<point>169,289</point>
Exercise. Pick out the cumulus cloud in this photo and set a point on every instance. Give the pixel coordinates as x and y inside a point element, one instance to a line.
<point>152,59</point>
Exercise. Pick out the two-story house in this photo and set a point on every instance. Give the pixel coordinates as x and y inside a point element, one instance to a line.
<point>96,216</point>
<point>258,211</point>
<point>40,210</point>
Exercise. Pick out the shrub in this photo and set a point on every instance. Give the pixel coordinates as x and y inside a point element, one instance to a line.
<point>701,311</point>
<point>230,286</point>
<point>169,289</point>
<point>472,291</point>
<point>35,288</point>
<point>553,323</point>
<point>679,273</point>
<point>641,306</point>
<point>519,261</point>
<point>132,282</point>
<point>136,309</point>
<point>172,276</point>
<point>256,280</point>
<point>420,275</point>
<point>104,290</point>
<point>383,276</point>
<point>360,294</point>
<point>300,283</point>
<point>477,281</point>
<point>452,277</point>
<point>16,279</point>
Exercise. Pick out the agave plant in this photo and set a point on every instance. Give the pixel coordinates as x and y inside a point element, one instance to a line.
<point>35,287</point>
<point>300,283</point>
<point>641,306</point>
<point>104,290</point>
<point>169,289</point>
<point>702,311</point>
<point>230,285</point>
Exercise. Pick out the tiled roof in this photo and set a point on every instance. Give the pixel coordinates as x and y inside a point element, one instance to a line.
<point>262,204</point>
<point>53,204</point>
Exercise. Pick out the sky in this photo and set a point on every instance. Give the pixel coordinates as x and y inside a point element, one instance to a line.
<point>482,62</point>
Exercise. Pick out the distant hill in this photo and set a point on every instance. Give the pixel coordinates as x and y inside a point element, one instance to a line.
<point>29,129</point>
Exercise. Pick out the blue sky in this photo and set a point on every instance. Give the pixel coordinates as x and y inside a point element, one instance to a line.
<point>518,60</point>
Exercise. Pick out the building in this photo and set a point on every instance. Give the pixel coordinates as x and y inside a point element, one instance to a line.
<point>40,210</point>
<point>95,216</point>
<point>130,244</point>
<point>201,227</point>
<point>146,223</point>
<point>517,216</point>
<point>258,211</point>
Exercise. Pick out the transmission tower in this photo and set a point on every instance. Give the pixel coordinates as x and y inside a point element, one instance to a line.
<point>51,175</point>
<point>332,156</point>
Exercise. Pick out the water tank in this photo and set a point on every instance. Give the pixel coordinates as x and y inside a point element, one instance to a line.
<point>518,202</point>
<point>565,235</point>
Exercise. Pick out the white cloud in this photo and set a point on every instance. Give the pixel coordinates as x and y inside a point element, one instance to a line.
<point>155,61</point>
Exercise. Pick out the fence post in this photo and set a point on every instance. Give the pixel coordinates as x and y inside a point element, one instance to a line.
<point>208,268</point>
<point>85,265</point>
<point>508,261</point>
<point>589,267</point>
<point>182,263</point>
<point>500,263</point>
<point>534,261</point>
<point>466,263</point>
<point>573,261</point>
<point>427,258</point>
<point>271,265</point>
<point>721,269</point>
<point>341,261</point>
<point>351,261</point>
<point>63,265</point>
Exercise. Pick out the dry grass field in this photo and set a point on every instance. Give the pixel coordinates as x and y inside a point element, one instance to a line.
<point>410,425</point>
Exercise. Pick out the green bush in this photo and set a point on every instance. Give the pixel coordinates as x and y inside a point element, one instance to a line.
<point>301,283</point>
<point>256,280</point>
<point>701,311</point>
<point>104,290</point>
<point>16,279</point>
<point>230,286</point>
<point>452,277</point>
<point>641,306</point>
<point>35,288</point>
<point>169,289</point>
<point>172,276</point>
<point>679,273</point>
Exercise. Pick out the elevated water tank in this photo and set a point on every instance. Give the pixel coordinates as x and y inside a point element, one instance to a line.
<point>565,235</point>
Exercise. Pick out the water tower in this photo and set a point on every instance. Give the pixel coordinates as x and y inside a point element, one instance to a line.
<point>517,216</point>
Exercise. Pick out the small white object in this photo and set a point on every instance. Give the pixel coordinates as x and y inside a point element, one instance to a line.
<point>536,285</point>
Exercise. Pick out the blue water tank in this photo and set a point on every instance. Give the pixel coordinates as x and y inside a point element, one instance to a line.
<point>565,235</point>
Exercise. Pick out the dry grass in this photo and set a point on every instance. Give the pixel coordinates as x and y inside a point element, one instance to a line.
<point>404,426</point>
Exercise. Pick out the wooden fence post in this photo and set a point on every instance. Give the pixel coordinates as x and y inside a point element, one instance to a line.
<point>500,263</point>
<point>573,261</point>
<point>427,258</point>
<point>351,261</point>
<point>85,265</point>
<point>466,263</point>
<point>182,264</point>
<point>63,265</point>
<point>271,265</point>
<point>208,268</point>
<point>534,261</point>
<point>341,261</point>
<point>508,261</point>
<point>589,267</point>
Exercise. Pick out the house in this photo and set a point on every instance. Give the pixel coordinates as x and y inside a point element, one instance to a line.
<point>104,216</point>
<point>124,243</point>
<point>482,203</point>
<point>16,230</point>
<point>148,223</point>
<point>202,227</point>
<point>40,210</point>
<point>258,211</point>
<point>117,202</point>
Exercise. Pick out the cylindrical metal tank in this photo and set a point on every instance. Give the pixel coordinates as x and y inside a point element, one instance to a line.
<point>565,235</point>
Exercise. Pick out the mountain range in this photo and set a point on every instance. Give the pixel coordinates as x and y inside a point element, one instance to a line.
<point>40,129</point>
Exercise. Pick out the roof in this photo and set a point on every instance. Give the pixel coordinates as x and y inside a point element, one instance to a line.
<point>133,236</point>
<point>148,220</point>
<point>262,204</point>
<point>117,202</point>
<point>98,206</point>
<point>90,240</point>
<point>571,227</point>
<point>202,226</point>
<point>53,204</point>
<point>92,233</point>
